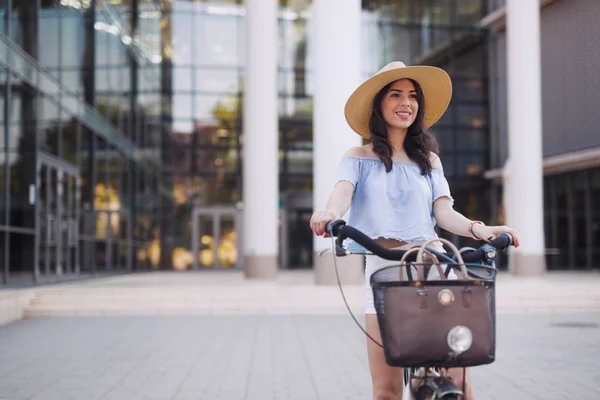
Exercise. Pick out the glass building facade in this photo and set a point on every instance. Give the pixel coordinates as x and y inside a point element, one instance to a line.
<point>85,145</point>
<point>132,112</point>
<point>122,131</point>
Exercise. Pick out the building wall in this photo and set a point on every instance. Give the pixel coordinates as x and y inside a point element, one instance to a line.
<point>570,38</point>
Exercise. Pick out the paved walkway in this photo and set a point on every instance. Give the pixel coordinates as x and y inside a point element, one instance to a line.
<point>247,353</point>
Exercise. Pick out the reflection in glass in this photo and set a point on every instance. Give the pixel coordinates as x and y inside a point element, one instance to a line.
<point>206,254</point>
<point>298,160</point>
<point>222,80</point>
<point>472,140</point>
<point>220,36</point>
<point>182,40</point>
<point>433,12</point>
<point>20,261</point>
<point>49,26</point>
<point>473,115</point>
<point>227,251</point>
<point>471,165</point>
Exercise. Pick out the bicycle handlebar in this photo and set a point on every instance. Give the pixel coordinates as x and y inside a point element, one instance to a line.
<point>339,229</point>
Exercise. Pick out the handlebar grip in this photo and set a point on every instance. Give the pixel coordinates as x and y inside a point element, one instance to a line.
<point>334,227</point>
<point>502,241</point>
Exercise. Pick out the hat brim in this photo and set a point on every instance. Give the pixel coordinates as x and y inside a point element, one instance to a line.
<point>435,84</point>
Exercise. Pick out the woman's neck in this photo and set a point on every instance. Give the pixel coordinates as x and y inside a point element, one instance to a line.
<point>396,138</point>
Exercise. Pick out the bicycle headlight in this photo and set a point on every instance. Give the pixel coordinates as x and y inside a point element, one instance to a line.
<point>460,339</point>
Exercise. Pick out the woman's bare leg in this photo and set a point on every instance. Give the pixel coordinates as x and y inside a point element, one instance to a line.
<point>387,381</point>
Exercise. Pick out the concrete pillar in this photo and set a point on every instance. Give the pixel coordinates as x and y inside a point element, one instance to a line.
<point>525,208</point>
<point>260,142</point>
<point>337,73</point>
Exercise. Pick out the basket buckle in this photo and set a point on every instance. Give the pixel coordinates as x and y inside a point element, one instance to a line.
<point>423,294</point>
<point>466,297</point>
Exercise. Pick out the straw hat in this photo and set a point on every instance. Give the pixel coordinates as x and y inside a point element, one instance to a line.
<point>435,83</point>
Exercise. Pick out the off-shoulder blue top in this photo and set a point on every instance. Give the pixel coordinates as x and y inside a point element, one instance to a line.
<point>396,204</point>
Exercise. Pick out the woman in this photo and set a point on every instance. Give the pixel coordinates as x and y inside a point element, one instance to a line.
<point>395,185</point>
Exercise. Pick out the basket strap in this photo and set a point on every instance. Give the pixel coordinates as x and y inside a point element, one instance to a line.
<point>452,247</point>
<point>420,266</point>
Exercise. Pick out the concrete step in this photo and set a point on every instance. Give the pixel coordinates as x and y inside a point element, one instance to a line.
<point>289,300</point>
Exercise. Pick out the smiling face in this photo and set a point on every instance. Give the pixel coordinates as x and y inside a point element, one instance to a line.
<point>399,106</point>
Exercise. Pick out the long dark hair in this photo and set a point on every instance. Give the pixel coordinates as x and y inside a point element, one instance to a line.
<point>418,142</point>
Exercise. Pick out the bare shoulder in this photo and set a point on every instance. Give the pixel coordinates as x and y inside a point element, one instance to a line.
<point>435,160</point>
<point>357,152</point>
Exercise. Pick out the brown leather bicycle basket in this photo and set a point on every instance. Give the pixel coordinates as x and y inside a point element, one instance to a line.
<point>422,321</point>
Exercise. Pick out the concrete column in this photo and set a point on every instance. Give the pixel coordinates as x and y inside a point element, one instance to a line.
<point>260,142</point>
<point>337,73</point>
<point>524,190</point>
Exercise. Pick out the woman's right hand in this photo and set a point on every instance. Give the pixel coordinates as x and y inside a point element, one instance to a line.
<point>319,220</point>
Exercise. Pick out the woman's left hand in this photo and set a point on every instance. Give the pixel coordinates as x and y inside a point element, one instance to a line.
<point>490,232</point>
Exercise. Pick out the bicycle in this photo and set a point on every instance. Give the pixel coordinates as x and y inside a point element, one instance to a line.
<point>454,318</point>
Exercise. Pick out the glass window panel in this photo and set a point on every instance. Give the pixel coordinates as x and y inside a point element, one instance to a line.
<point>395,43</point>
<point>293,43</point>
<point>471,140</point>
<point>595,217</point>
<point>149,79</point>
<point>21,259</point>
<point>182,108</point>
<point>215,160</point>
<point>219,37</point>
<point>473,115</point>
<point>103,41</point>
<point>73,39</point>
<point>560,190</point>
<point>224,80</point>
<point>471,165</point>
<point>182,159</point>
<point>444,137</point>
<point>398,11</point>
<point>4,168</point>
<point>21,177</point>
<point>183,42</point>
<point>215,189</point>
<point>101,199</point>
<point>50,38</point>
<point>471,63</point>
<point>295,108</point>
<point>124,79</point>
<point>469,12</point>
<point>427,38</point>
<point>578,184</point>
<point>71,79</point>
<point>295,133</point>
<point>434,12</point>
<point>182,79</point>
<point>150,103</point>
<point>298,181</point>
<point>183,126</point>
<point>216,108</point>
<point>447,118</point>
<point>300,160</point>
<point>470,89</point>
<point>102,80</point>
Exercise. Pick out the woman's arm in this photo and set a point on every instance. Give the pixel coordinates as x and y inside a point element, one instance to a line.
<point>452,221</point>
<point>339,201</point>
